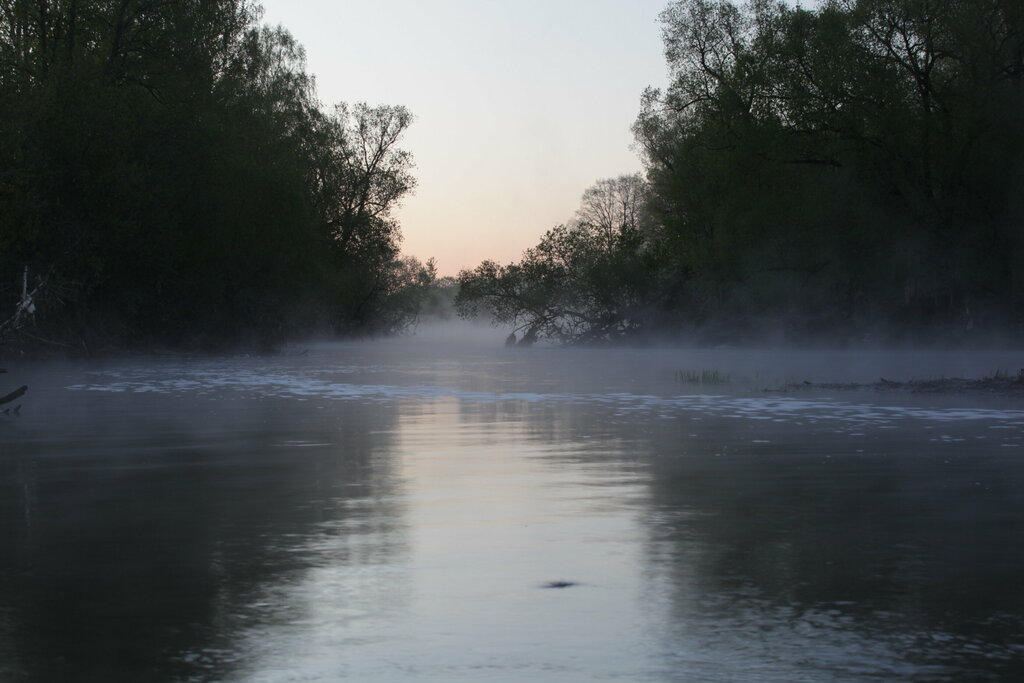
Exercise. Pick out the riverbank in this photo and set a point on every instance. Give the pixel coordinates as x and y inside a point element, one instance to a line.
<point>998,384</point>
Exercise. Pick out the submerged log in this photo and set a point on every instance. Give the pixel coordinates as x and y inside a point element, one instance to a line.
<point>1004,385</point>
<point>16,394</point>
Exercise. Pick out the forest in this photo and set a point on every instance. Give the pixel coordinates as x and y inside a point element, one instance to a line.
<point>168,178</point>
<point>847,173</point>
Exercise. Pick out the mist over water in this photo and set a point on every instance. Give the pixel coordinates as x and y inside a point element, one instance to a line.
<point>396,510</point>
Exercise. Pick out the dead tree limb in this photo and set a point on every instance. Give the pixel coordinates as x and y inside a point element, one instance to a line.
<point>14,395</point>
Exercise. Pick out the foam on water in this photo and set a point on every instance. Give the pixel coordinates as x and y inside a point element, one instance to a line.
<point>324,385</point>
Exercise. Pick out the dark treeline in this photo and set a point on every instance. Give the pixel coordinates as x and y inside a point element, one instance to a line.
<point>168,177</point>
<point>846,171</point>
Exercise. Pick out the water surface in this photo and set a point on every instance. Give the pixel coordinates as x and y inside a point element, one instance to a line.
<point>398,510</point>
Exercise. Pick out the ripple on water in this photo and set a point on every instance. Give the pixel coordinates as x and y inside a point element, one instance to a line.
<point>313,384</point>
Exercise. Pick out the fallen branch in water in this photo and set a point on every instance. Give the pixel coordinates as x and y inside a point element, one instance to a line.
<point>14,395</point>
<point>1003,385</point>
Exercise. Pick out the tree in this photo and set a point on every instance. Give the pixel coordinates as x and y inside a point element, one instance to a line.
<point>407,286</point>
<point>358,176</point>
<point>592,279</point>
<point>169,168</point>
<point>840,166</point>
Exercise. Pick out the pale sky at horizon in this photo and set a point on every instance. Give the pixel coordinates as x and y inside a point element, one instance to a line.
<point>519,105</point>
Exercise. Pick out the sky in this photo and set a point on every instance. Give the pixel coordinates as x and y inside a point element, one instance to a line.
<point>519,105</point>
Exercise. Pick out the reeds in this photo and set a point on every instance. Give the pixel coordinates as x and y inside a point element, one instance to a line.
<point>703,377</point>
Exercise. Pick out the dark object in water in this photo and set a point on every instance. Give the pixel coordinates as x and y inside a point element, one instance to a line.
<point>1000,385</point>
<point>16,394</point>
<point>510,340</point>
<point>560,584</point>
<point>529,339</point>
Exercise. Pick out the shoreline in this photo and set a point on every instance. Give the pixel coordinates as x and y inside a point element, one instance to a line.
<point>1001,386</point>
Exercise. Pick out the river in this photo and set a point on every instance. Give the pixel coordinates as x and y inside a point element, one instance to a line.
<point>434,509</point>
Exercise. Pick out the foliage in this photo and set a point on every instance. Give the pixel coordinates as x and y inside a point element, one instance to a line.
<point>407,284</point>
<point>840,167</point>
<point>588,280</point>
<point>439,302</point>
<point>169,169</point>
<point>841,170</point>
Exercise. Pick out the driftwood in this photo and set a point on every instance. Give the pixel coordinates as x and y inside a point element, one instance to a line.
<point>1003,385</point>
<point>14,395</point>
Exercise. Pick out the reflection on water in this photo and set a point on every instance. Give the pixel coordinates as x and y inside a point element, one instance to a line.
<point>387,512</point>
<point>855,566</point>
<point>142,535</point>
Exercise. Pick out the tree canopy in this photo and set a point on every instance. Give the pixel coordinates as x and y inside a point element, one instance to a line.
<point>846,166</point>
<point>837,171</point>
<point>586,280</point>
<point>171,178</point>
